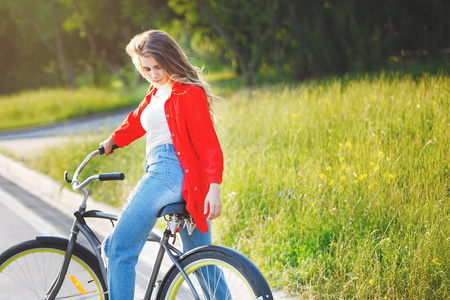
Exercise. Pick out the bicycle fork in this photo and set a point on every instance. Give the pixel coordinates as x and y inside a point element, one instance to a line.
<point>57,283</point>
<point>79,225</point>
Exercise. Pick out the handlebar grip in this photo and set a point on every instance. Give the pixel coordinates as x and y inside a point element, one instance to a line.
<point>111,176</point>
<point>102,150</point>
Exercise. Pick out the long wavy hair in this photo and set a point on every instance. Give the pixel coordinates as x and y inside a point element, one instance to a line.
<point>163,48</point>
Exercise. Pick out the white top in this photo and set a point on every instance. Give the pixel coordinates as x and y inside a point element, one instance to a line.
<point>153,120</point>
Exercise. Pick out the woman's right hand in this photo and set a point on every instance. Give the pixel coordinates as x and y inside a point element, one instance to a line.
<point>107,145</point>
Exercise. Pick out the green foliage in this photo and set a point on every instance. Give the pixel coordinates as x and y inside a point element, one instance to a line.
<point>335,188</point>
<point>75,43</point>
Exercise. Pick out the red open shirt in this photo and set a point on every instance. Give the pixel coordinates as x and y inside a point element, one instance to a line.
<point>195,141</point>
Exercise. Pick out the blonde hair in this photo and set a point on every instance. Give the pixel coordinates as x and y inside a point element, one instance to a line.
<point>163,48</point>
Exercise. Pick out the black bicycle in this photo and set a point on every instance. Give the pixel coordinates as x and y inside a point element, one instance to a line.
<point>51,267</point>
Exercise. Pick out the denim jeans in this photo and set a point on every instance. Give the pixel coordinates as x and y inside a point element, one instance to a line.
<point>161,185</point>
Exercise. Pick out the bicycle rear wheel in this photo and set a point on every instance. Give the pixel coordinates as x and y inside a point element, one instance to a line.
<point>28,270</point>
<point>217,273</point>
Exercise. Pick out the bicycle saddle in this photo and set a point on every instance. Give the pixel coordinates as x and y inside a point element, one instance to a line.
<point>174,208</point>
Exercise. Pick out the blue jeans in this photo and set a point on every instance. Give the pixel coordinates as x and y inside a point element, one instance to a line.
<point>160,186</point>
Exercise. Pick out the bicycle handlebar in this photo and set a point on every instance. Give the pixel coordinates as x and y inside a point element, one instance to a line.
<point>77,186</point>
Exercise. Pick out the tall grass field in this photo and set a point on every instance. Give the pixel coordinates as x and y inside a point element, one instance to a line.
<point>336,189</point>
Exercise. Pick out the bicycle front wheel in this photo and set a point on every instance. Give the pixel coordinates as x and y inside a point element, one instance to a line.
<point>28,270</point>
<point>218,273</point>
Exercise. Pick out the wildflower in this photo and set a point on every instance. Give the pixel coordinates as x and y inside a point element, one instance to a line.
<point>331,182</point>
<point>391,176</point>
<point>343,177</point>
<point>376,168</point>
<point>322,176</point>
<point>371,282</point>
<point>341,145</point>
<point>348,145</point>
<point>363,176</point>
<point>356,181</point>
<point>294,116</point>
<point>348,169</point>
<point>341,159</point>
<point>344,167</point>
<point>329,169</point>
<point>380,154</point>
<point>372,164</point>
<point>370,187</point>
<point>347,205</point>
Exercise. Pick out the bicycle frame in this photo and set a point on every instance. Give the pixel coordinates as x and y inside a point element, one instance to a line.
<point>80,225</point>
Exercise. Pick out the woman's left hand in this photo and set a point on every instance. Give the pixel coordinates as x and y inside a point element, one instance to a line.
<point>213,203</point>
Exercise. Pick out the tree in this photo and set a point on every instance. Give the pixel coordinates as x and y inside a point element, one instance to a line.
<point>244,26</point>
<point>34,24</point>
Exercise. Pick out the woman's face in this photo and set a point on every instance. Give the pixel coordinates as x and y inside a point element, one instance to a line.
<point>154,71</point>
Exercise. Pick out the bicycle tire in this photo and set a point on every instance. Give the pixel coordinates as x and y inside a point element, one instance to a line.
<point>28,269</point>
<point>243,279</point>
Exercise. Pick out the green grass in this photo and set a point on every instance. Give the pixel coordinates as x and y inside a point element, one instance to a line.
<point>337,188</point>
<point>45,106</point>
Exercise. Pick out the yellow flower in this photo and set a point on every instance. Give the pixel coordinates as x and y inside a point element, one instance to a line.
<point>329,169</point>
<point>370,187</point>
<point>391,176</point>
<point>343,177</point>
<point>348,169</point>
<point>356,181</point>
<point>322,176</point>
<point>341,145</point>
<point>348,145</point>
<point>294,116</point>
<point>363,176</point>
<point>372,164</point>
<point>380,154</point>
<point>344,167</point>
<point>376,168</point>
<point>371,282</point>
<point>331,182</point>
<point>341,159</point>
<point>347,205</point>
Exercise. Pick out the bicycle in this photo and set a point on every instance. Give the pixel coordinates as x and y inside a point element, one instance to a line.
<point>50,267</point>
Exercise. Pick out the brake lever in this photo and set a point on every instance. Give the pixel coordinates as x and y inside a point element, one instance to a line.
<point>66,175</point>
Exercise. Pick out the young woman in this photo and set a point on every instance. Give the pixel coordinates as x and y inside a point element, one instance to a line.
<point>184,157</point>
